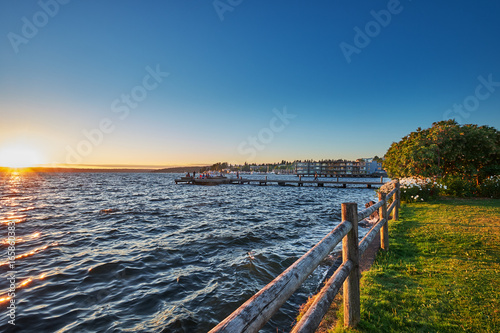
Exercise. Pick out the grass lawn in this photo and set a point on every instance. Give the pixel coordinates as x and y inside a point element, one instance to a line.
<point>441,273</point>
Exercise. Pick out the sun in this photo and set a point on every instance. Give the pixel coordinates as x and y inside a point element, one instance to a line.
<point>19,156</point>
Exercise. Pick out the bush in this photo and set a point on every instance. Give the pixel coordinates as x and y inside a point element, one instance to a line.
<point>415,189</point>
<point>491,187</point>
<point>454,186</point>
<point>418,189</point>
<point>460,187</point>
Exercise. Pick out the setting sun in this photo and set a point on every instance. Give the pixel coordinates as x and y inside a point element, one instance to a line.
<point>19,157</point>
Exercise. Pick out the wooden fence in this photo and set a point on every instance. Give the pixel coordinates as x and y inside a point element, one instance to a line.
<point>254,313</point>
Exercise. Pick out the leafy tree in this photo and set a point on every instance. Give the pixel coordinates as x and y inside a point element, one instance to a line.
<point>219,166</point>
<point>446,150</point>
<point>245,167</point>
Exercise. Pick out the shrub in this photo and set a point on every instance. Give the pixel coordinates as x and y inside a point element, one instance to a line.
<point>460,187</point>
<point>419,189</point>
<point>491,187</point>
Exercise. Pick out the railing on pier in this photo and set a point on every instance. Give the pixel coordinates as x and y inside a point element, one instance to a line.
<point>255,312</point>
<point>279,181</point>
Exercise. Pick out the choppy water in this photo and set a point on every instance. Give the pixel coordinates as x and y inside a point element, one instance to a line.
<point>137,253</point>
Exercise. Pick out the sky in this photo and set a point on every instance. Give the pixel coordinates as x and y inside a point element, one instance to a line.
<point>166,83</point>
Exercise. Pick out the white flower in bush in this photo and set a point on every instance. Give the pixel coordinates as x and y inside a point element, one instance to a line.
<point>419,189</point>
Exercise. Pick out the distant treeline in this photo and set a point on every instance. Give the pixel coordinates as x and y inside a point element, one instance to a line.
<point>219,166</point>
<point>182,169</point>
<point>283,165</point>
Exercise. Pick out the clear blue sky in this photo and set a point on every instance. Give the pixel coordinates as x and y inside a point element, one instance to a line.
<point>66,68</point>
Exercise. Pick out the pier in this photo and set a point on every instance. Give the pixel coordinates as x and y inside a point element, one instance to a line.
<point>281,182</point>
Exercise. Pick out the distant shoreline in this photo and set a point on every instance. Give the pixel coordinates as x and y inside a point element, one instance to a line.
<point>105,170</point>
<point>76,170</point>
<point>181,169</point>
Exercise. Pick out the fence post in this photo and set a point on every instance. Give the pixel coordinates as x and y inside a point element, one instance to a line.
<point>384,232</point>
<point>397,197</point>
<point>350,252</point>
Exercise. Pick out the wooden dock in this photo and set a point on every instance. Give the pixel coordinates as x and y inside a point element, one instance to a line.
<point>281,182</point>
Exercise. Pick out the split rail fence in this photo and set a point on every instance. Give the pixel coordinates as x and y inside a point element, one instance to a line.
<point>255,312</point>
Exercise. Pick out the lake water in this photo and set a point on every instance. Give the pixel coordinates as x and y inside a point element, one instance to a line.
<point>107,252</point>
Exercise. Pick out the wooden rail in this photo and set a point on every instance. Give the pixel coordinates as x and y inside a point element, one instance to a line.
<point>255,312</point>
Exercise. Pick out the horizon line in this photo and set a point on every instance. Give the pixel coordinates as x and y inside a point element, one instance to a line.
<point>117,166</point>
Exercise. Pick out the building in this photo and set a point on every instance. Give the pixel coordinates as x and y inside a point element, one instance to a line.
<point>362,167</point>
<point>371,166</point>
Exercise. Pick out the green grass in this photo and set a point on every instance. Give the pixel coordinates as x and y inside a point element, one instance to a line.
<point>441,273</point>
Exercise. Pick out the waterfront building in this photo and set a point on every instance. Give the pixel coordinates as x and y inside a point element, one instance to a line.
<point>362,167</point>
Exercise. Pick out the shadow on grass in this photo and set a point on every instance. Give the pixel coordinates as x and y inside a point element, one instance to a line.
<point>472,202</point>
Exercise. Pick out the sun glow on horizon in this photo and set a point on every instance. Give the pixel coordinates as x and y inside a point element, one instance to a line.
<point>19,156</point>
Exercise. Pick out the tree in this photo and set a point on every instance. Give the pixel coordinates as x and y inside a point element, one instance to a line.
<point>445,150</point>
<point>219,166</point>
<point>245,167</point>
